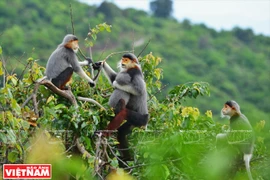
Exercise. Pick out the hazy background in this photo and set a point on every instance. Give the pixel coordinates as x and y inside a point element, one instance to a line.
<point>219,14</point>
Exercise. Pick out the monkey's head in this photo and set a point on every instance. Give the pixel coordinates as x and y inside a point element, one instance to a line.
<point>230,108</point>
<point>71,42</point>
<point>128,61</point>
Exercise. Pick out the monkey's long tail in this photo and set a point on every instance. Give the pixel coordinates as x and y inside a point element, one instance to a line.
<point>247,158</point>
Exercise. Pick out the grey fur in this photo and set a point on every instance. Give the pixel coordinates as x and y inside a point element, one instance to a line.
<point>63,58</point>
<point>117,95</point>
<point>127,88</point>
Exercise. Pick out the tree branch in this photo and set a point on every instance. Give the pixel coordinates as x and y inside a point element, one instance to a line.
<point>144,47</point>
<point>82,150</point>
<point>90,100</point>
<point>71,19</point>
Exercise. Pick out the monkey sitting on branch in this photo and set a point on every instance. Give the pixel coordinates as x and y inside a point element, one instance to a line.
<point>239,125</point>
<point>129,99</point>
<point>63,61</point>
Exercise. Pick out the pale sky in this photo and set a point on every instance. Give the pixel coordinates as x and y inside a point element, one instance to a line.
<point>217,14</point>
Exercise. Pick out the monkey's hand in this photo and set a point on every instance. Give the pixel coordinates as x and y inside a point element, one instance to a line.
<point>89,60</point>
<point>92,83</point>
<point>97,65</point>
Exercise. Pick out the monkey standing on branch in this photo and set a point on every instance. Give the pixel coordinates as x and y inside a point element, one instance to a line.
<point>63,61</point>
<point>129,99</point>
<point>238,124</point>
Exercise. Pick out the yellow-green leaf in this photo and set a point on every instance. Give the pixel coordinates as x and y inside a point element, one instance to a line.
<point>1,68</point>
<point>15,106</point>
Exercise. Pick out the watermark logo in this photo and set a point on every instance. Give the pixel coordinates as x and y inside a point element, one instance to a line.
<point>27,171</point>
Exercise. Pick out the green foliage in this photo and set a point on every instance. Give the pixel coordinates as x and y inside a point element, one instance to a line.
<point>231,61</point>
<point>179,142</point>
<point>190,134</point>
<point>94,31</point>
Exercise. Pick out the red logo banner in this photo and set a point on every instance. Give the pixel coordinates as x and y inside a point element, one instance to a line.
<point>27,171</point>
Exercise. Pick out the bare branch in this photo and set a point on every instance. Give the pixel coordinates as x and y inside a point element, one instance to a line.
<point>144,47</point>
<point>82,150</point>
<point>103,49</point>
<point>133,43</point>
<point>158,91</point>
<point>98,143</point>
<point>71,19</point>
<point>34,95</point>
<point>117,156</point>
<point>120,52</point>
<point>90,100</point>
<point>97,75</point>
<point>44,81</point>
<point>22,74</point>
<point>80,51</point>
<point>64,93</point>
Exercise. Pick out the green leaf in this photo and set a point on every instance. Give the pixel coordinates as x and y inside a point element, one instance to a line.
<point>11,136</point>
<point>15,106</point>
<point>13,156</point>
<point>1,68</point>
<point>166,171</point>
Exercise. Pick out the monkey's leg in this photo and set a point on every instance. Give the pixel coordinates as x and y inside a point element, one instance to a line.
<point>121,114</point>
<point>125,155</point>
<point>247,158</point>
<point>134,118</point>
<point>61,80</point>
<point>117,120</point>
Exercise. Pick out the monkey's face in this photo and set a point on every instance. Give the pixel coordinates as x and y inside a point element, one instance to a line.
<point>73,44</point>
<point>227,110</point>
<point>127,63</point>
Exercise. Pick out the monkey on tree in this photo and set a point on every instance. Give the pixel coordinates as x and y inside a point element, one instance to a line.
<point>239,125</point>
<point>63,61</point>
<point>129,99</point>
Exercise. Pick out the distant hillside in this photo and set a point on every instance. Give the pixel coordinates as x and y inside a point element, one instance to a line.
<point>235,63</point>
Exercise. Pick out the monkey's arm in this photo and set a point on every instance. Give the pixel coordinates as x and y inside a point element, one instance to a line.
<point>127,88</point>
<point>86,62</point>
<point>83,63</point>
<point>123,78</point>
<point>136,87</point>
<point>109,72</point>
<point>78,69</point>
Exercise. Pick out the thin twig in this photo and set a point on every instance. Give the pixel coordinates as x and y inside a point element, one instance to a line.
<point>119,52</point>
<point>71,19</point>
<point>117,156</point>
<point>97,157</point>
<point>27,100</point>
<point>103,50</point>
<point>144,47</point>
<point>162,162</point>
<point>5,70</point>
<point>98,73</point>
<point>133,41</point>
<point>16,64</point>
<point>35,99</point>
<point>22,74</point>
<point>159,91</point>
<point>80,51</point>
